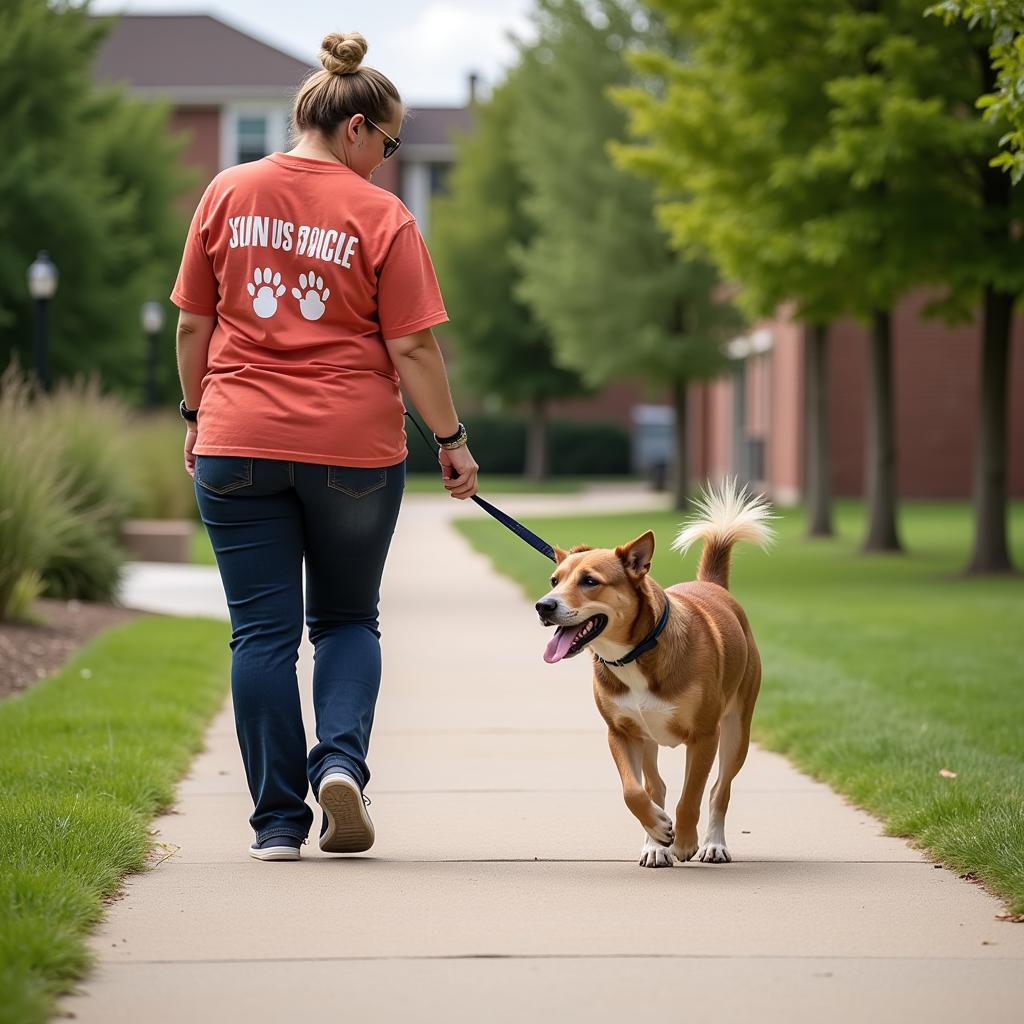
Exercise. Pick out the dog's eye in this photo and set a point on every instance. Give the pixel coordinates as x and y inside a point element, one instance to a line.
<point>589,581</point>
<point>554,581</point>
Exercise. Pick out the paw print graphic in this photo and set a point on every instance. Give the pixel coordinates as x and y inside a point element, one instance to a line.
<point>265,290</point>
<point>311,304</point>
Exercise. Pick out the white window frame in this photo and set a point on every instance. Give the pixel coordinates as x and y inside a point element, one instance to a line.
<point>276,115</point>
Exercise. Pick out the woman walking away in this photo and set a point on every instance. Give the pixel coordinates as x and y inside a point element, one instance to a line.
<point>307,295</point>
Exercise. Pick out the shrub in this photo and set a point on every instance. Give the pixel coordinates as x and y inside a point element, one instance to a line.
<point>163,490</point>
<point>499,445</point>
<point>93,446</point>
<point>35,513</point>
<point>589,449</point>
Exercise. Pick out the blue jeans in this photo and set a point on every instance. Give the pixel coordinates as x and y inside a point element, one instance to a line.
<point>264,516</point>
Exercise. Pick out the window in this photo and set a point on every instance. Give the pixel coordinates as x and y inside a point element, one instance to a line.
<point>253,142</point>
<point>439,178</point>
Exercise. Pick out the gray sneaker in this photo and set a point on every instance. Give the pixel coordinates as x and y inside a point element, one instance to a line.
<point>346,826</point>
<point>277,848</point>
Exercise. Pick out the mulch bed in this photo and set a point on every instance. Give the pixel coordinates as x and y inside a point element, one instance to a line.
<point>31,653</point>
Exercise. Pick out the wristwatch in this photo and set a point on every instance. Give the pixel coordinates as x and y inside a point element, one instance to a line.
<point>457,440</point>
<point>192,415</point>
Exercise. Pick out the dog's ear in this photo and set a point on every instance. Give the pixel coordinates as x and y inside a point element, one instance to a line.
<point>637,554</point>
<point>560,555</point>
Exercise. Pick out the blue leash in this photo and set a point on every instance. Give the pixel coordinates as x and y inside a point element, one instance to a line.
<point>506,520</point>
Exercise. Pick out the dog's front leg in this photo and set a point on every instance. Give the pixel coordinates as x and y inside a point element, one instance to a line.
<point>627,753</point>
<point>700,756</point>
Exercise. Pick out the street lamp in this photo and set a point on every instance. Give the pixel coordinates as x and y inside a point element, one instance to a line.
<point>152,323</point>
<point>42,286</point>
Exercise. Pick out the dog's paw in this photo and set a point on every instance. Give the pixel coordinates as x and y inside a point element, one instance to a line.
<point>714,853</point>
<point>661,831</point>
<point>685,847</point>
<point>654,855</point>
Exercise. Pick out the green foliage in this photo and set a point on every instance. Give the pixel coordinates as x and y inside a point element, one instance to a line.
<point>499,445</point>
<point>93,448</point>
<point>90,175</point>
<point>597,269</point>
<point>35,507</point>
<point>88,758</point>
<point>821,153</point>
<point>74,465</point>
<point>1005,102</point>
<point>591,448</point>
<point>874,679</point>
<point>162,488</point>
<point>502,349</point>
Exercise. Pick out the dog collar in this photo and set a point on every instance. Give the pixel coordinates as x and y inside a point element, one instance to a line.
<point>645,645</point>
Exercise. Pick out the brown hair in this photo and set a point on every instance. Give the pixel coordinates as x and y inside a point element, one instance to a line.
<point>343,87</point>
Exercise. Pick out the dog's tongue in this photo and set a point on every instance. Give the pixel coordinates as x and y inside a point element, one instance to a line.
<point>559,644</point>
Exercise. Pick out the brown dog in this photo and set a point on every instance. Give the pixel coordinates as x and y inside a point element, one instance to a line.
<point>670,666</point>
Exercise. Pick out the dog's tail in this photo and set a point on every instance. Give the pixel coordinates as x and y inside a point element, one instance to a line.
<point>721,518</point>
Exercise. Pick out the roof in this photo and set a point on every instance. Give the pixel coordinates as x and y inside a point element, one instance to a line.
<point>191,54</point>
<point>436,125</point>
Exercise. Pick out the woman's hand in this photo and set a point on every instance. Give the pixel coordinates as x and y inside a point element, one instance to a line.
<point>192,432</point>
<point>458,471</point>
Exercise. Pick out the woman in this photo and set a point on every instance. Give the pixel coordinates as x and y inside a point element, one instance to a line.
<point>306,295</point>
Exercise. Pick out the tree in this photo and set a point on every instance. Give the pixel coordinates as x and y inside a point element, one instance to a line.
<point>721,120</point>
<point>888,194</point>
<point>1005,101</point>
<point>598,271</point>
<point>502,348</point>
<point>92,177</point>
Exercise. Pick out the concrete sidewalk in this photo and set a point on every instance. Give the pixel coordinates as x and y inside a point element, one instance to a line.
<point>504,886</point>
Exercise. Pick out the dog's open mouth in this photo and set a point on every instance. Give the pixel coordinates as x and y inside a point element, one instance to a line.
<point>568,641</point>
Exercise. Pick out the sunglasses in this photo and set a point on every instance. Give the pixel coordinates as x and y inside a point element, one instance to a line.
<point>390,144</point>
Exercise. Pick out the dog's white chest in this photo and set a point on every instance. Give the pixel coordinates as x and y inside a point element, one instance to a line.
<point>654,715</point>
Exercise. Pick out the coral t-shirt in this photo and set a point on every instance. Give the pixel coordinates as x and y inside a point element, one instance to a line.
<point>308,268</point>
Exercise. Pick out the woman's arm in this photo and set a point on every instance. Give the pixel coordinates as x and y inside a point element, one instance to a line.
<point>420,366</point>
<point>193,338</point>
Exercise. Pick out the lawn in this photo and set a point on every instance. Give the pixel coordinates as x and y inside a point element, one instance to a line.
<point>87,758</point>
<point>880,672</point>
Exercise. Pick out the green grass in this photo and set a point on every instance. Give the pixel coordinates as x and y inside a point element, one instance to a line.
<point>879,671</point>
<point>87,758</point>
<point>202,551</point>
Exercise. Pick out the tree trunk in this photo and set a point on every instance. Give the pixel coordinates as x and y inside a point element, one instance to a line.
<point>880,453</point>
<point>537,441</point>
<point>818,490</point>
<point>681,471</point>
<point>991,552</point>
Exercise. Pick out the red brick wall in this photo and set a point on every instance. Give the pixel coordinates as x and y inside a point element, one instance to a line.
<point>202,153</point>
<point>936,379</point>
<point>387,175</point>
<point>614,403</point>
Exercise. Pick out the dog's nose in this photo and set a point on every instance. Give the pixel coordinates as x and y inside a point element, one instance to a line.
<point>545,606</point>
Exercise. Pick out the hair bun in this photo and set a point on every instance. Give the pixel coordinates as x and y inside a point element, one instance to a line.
<point>341,53</point>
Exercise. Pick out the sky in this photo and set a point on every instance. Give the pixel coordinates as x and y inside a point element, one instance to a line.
<point>427,47</point>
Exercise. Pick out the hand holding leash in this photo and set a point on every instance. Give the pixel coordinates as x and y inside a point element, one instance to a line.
<point>450,474</point>
<point>458,471</point>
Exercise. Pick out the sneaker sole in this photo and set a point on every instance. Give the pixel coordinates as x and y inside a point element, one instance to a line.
<point>349,829</point>
<point>275,853</point>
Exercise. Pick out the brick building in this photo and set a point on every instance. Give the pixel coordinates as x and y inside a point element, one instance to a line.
<point>751,423</point>
<point>231,95</point>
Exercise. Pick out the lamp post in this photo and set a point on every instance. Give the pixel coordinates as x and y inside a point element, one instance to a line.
<point>152,323</point>
<point>42,286</point>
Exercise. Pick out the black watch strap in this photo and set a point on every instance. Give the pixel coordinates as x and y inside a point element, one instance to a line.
<point>449,440</point>
<point>192,415</point>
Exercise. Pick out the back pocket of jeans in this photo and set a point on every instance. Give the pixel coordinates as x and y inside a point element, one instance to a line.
<point>223,473</point>
<point>356,482</point>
